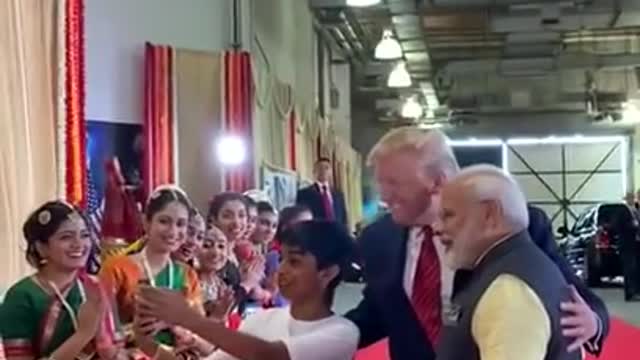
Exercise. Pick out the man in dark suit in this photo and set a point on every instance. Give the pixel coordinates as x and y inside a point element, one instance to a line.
<point>324,201</point>
<point>407,286</point>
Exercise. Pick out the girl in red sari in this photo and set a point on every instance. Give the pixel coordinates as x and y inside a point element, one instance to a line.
<point>122,219</point>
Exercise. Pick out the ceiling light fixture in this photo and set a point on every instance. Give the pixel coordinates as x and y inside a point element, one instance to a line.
<point>630,112</point>
<point>362,3</point>
<point>430,114</point>
<point>388,48</point>
<point>412,109</point>
<point>399,77</point>
<point>431,125</point>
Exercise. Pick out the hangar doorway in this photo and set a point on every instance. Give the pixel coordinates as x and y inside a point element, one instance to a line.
<point>564,177</point>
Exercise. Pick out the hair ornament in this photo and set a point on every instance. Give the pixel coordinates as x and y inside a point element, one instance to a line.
<point>167,187</point>
<point>44,217</point>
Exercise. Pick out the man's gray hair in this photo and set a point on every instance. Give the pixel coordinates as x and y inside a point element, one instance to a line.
<point>432,146</point>
<point>488,182</point>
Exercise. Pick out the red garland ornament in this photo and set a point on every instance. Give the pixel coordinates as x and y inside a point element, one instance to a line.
<point>76,164</point>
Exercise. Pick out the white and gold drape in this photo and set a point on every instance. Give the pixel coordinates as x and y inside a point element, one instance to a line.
<point>273,105</point>
<point>275,100</point>
<point>28,93</point>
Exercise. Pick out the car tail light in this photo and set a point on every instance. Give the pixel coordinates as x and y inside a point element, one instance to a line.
<point>603,240</point>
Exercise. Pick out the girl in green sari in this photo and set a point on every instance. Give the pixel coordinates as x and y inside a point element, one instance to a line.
<point>60,312</point>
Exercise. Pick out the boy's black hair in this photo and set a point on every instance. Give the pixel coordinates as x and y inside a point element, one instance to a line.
<point>327,241</point>
<point>265,207</point>
<point>287,215</point>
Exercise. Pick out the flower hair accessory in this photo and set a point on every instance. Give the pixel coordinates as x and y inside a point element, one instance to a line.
<point>173,189</point>
<point>44,217</point>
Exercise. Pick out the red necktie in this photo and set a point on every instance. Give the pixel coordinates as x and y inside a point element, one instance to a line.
<point>426,297</point>
<point>326,202</point>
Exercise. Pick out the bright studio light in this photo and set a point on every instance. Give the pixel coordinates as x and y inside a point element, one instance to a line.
<point>362,3</point>
<point>399,77</point>
<point>231,150</point>
<point>411,109</point>
<point>630,113</point>
<point>431,125</point>
<point>388,48</point>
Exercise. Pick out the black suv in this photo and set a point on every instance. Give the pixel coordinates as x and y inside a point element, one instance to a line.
<point>593,246</point>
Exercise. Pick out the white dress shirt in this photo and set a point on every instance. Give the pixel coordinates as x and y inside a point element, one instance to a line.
<point>332,338</point>
<point>414,245</point>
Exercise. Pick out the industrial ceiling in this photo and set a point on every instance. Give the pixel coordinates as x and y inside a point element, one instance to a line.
<point>476,59</point>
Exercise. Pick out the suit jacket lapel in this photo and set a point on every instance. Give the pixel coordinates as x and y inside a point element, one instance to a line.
<point>399,252</point>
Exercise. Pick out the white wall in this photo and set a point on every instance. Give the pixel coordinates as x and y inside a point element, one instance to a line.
<point>341,74</point>
<point>116,31</point>
<point>285,31</point>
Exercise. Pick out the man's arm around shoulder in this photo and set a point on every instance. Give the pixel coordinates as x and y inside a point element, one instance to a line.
<point>541,233</point>
<point>366,315</point>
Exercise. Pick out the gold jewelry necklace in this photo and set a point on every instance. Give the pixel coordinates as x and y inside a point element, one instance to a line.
<point>65,303</point>
<point>149,274</point>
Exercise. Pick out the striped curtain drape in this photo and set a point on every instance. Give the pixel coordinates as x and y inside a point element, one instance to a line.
<point>292,130</point>
<point>158,126</point>
<point>238,105</point>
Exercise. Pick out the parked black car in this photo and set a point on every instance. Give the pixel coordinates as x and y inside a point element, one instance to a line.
<point>597,240</point>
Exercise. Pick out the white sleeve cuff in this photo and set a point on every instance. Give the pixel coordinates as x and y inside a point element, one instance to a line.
<point>592,344</point>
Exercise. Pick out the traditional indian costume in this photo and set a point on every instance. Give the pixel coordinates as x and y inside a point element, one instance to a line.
<point>36,318</point>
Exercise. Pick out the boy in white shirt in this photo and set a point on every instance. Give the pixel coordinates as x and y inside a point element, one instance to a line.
<point>313,256</point>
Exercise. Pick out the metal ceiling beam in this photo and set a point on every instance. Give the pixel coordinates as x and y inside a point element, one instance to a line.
<point>562,62</point>
<point>493,3</point>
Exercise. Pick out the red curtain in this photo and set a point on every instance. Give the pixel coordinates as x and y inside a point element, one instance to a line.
<point>318,147</point>
<point>158,162</point>
<point>336,170</point>
<point>292,140</point>
<point>238,115</point>
<point>75,122</point>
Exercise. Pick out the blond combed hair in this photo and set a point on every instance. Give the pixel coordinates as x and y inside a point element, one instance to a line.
<point>430,145</point>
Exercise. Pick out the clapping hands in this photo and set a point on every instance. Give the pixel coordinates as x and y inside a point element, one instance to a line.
<point>92,311</point>
<point>219,309</point>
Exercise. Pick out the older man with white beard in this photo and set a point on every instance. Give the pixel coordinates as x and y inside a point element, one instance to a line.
<point>508,306</point>
<point>407,286</point>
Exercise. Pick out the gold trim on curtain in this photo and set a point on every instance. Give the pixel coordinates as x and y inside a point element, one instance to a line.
<point>198,109</point>
<point>274,125</point>
<point>28,34</point>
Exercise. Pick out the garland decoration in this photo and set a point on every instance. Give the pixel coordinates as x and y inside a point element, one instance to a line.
<point>76,160</point>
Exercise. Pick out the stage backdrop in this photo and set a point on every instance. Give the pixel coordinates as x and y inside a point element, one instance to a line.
<point>280,185</point>
<point>107,140</point>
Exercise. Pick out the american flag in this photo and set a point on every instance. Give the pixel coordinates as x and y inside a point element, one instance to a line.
<point>95,211</point>
<point>95,208</point>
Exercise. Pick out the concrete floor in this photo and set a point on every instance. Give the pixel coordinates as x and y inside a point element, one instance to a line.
<point>626,310</point>
<point>348,295</point>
